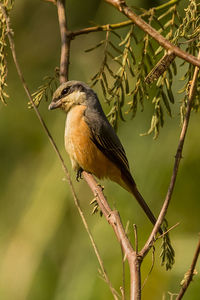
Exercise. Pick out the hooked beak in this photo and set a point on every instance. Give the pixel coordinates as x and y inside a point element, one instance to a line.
<point>54,105</point>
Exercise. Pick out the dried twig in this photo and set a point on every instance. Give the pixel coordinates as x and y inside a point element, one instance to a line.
<point>190,273</point>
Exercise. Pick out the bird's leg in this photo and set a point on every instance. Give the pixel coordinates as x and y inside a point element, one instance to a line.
<point>79,174</point>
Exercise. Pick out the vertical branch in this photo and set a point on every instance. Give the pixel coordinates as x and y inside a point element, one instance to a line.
<point>65,41</point>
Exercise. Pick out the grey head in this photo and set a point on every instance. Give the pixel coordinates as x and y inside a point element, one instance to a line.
<point>72,93</point>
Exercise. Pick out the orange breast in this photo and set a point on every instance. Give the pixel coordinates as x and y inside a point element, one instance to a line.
<point>83,152</point>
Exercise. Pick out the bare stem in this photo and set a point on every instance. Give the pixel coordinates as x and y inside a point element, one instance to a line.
<point>190,273</point>
<point>100,28</point>
<point>136,237</point>
<point>122,7</point>
<point>65,41</point>
<point>178,157</point>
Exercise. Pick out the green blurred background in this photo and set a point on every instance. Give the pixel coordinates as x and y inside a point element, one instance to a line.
<point>45,252</point>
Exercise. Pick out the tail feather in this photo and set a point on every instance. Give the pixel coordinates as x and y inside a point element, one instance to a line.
<point>131,187</point>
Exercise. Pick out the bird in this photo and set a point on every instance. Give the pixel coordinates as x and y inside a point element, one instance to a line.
<point>91,141</point>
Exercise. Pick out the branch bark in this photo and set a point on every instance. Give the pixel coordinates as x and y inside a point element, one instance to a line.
<point>123,8</point>
<point>114,220</point>
<point>65,41</point>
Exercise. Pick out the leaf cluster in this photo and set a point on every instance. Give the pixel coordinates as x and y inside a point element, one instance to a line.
<point>45,90</point>
<point>7,4</point>
<point>167,252</point>
<point>189,31</point>
<point>151,69</point>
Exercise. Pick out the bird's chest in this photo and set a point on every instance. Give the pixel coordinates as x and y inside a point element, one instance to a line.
<point>81,149</point>
<point>77,133</point>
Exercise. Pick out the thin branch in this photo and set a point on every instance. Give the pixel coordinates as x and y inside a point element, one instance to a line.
<point>100,28</point>
<point>116,25</point>
<point>151,268</point>
<point>136,237</point>
<point>122,7</point>
<point>122,288</point>
<point>190,273</point>
<point>76,201</point>
<point>178,157</point>
<point>164,5</point>
<point>166,232</point>
<point>65,41</point>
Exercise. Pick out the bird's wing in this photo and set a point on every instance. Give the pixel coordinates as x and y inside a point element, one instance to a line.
<point>105,138</point>
<point>114,151</point>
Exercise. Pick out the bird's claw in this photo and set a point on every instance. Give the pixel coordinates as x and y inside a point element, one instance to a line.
<point>79,174</point>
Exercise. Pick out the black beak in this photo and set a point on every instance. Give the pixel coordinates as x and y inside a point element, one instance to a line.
<point>54,105</point>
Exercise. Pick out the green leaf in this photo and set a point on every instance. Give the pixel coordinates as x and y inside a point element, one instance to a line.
<point>105,79</point>
<point>103,88</point>
<point>126,84</point>
<point>115,48</point>
<point>166,102</point>
<point>170,95</point>
<point>95,47</point>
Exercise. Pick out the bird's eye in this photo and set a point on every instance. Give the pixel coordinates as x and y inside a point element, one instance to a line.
<point>65,91</point>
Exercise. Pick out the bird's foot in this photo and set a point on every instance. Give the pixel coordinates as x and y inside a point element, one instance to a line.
<point>101,186</point>
<point>96,207</point>
<point>79,174</point>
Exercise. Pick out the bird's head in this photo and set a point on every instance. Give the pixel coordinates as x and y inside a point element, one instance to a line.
<point>71,93</point>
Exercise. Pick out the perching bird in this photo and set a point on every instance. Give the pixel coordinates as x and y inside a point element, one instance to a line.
<point>90,140</point>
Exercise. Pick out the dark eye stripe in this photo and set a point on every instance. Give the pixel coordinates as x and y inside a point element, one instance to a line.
<point>65,91</point>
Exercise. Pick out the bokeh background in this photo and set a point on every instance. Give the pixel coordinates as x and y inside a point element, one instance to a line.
<point>45,252</point>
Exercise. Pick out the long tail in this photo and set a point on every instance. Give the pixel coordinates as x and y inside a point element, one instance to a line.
<point>144,206</point>
<point>131,187</point>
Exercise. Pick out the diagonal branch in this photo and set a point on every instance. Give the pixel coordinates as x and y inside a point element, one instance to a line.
<point>113,218</point>
<point>178,157</point>
<point>122,7</point>
<point>190,273</point>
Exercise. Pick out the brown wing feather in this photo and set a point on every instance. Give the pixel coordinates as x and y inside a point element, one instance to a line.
<point>115,153</point>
